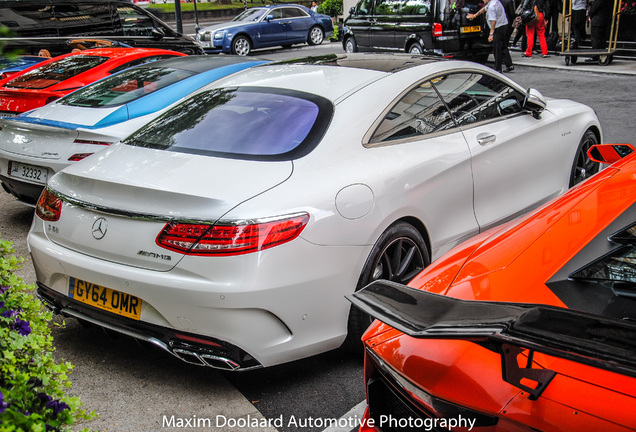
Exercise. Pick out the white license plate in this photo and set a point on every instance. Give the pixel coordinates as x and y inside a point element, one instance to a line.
<point>33,173</point>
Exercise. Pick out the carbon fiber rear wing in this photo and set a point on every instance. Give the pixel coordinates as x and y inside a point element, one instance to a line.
<point>507,328</point>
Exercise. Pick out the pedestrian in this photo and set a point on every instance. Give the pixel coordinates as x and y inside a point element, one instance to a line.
<point>579,17</point>
<point>509,8</point>
<point>537,28</point>
<point>520,32</point>
<point>601,13</point>
<point>314,6</point>
<point>498,23</point>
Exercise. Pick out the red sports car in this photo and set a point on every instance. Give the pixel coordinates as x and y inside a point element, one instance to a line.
<point>528,327</point>
<point>44,82</point>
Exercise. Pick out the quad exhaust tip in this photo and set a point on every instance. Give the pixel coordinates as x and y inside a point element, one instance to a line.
<point>205,359</point>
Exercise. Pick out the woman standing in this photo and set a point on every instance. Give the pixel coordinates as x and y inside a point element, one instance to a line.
<point>537,27</point>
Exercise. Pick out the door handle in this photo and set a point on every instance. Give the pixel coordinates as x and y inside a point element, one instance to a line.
<point>486,139</point>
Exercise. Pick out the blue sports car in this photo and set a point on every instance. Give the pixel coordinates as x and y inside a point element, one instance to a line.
<point>267,26</point>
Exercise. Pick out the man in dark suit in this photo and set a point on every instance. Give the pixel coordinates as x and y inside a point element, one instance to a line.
<point>601,13</point>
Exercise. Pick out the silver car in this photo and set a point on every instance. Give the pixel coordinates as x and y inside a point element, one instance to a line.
<point>228,230</point>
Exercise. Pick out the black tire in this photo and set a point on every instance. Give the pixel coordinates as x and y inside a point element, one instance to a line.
<point>399,255</point>
<point>574,59</point>
<point>415,48</point>
<point>241,45</point>
<point>316,36</point>
<point>567,61</point>
<point>583,167</point>
<point>350,45</point>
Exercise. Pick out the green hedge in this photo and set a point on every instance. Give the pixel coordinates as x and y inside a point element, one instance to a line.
<point>32,384</point>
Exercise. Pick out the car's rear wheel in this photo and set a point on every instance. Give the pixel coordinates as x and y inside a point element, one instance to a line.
<point>415,48</point>
<point>583,167</point>
<point>316,36</point>
<point>350,45</point>
<point>241,45</point>
<point>398,256</point>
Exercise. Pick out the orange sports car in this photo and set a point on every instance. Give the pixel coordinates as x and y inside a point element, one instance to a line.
<point>49,80</point>
<point>527,327</point>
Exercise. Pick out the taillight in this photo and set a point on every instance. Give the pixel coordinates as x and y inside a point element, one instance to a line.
<point>81,141</point>
<point>79,156</point>
<point>225,240</point>
<point>437,30</point>
<point>49,207</point>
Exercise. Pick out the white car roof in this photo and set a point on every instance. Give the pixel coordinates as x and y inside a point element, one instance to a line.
<point>334,77</point>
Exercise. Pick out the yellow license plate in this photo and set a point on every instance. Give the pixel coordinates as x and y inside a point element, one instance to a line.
<point>470,29</point>
<point>105,298</point>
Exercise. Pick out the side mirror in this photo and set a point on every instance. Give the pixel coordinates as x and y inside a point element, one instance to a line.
<point>157,34</point>
<point>609,153</point>
<point>508,106</point>
<point>269,18</point>
<point>534,102</point>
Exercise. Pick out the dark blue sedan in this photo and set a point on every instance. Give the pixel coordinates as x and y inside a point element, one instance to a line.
<point>267,26</point>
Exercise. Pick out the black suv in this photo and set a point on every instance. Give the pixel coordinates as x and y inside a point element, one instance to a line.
<point>419,27</point>
<point>48,24</point>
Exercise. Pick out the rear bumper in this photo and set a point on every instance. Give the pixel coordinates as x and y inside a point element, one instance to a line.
<point>256,305</point>
<point>188,347</point>
<point>28,193</point>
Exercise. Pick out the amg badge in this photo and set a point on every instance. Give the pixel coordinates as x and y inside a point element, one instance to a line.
<point>155,255</point>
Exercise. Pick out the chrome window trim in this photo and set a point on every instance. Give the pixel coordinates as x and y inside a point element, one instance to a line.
<point>366,139</point>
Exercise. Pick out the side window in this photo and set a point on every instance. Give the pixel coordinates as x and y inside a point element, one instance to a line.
<point>134,23</point>
<point>364,7</point>
<point>473,97</point>
<point>415,7</point>
<point>387,7</point>
<point>78,19</point>
<point>418,113</point>
<point>27,21</point>
<point>294,13</point>
<point>277,13</point>
<point>138,62</point>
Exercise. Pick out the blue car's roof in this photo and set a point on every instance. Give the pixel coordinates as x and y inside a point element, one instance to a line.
<point>208,69</point>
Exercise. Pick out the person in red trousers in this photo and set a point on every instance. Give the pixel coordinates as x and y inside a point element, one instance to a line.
<point>538,28</point>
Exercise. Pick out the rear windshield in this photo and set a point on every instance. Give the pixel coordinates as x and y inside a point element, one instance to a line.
<point>55,72</point>
<point>245,123</point>
<point>125,87</point>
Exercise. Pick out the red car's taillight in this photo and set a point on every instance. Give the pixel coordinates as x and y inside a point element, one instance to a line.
<point>437,30</point>
<point>49,207</point>
<point>225,240</point>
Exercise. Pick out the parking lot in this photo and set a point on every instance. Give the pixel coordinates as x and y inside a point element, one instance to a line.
<point>135,388</point>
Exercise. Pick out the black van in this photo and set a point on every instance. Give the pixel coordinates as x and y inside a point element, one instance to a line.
<point>48,24</point>
<point>418,26</point>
